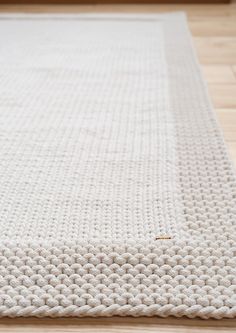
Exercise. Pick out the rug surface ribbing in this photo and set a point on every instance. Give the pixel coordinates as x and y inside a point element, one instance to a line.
<point>117,195</point>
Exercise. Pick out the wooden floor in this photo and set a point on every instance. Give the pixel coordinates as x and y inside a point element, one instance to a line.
<point>214,31</point>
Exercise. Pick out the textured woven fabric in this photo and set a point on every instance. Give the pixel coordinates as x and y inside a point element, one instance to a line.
<point>117,195</point>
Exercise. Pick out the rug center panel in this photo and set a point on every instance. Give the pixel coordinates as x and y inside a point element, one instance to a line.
<point>87,140</point>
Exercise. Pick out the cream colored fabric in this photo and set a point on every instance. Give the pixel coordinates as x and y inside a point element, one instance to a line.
<point>117,196</point>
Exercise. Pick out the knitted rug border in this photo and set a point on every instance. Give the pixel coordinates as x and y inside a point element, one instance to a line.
<point>185,276</point>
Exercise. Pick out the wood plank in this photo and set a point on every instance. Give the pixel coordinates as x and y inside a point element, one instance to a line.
<point>216,50</point>
<point>214,26</point>
<point>218,74</point>
<point>53,2</point>
<point>116,325</point>
<point>193,11</point>
<point>223,95</point>
<point>227,118</point>
<point>227,121</point>
<point>232,152</point>
<point>234,69</point>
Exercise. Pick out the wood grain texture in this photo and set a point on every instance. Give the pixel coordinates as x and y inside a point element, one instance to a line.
<point>215,74</point>
<point>214,31</point>
<point>223,95</point>
<point>227,119</point>
<point>116,325</point>
<point>110,1</point>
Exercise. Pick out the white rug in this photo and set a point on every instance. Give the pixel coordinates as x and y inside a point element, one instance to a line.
<point>117,196</point>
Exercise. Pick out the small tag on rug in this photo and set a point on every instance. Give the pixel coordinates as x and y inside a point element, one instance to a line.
<point>163,237</point>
